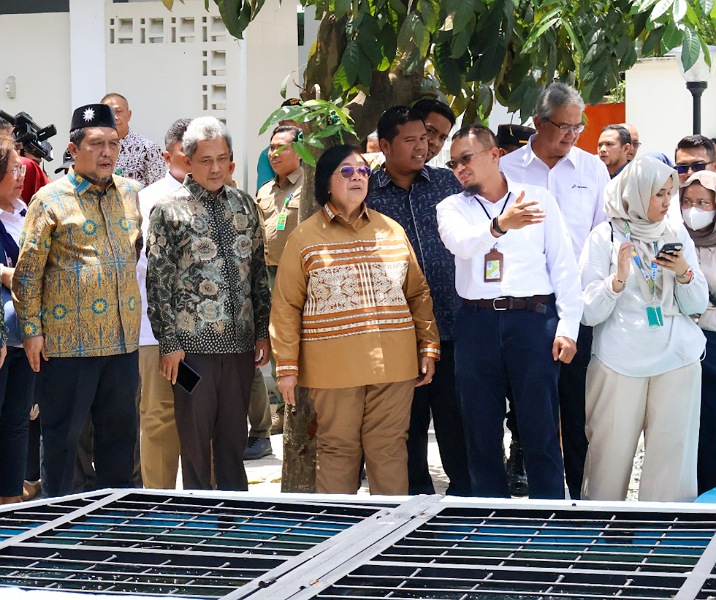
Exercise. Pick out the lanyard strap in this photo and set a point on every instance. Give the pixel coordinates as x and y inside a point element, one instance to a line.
<point>487,214</point>
<point>649,277</point>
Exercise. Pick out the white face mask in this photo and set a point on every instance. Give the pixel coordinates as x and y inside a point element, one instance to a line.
<point>696,219</point>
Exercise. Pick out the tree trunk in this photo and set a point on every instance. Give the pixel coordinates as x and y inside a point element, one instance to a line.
<point>298,473</point>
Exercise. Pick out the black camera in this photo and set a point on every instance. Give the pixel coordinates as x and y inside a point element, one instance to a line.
<point>30,135</point>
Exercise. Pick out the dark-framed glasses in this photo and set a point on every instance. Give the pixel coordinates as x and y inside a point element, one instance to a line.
<point>694,166</point>
<point>565,127</point>
<point>348,171</point>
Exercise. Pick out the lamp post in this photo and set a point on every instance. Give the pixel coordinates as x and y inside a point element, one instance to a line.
<point>696,82</point>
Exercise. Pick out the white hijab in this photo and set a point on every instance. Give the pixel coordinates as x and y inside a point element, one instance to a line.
<point>627,198</point>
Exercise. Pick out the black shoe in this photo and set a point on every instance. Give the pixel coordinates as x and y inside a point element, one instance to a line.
<point>257,448</point>
<point>516,476</point>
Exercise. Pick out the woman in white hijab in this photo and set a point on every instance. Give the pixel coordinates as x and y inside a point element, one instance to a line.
<point>644,374</point>
<point>698,207</point>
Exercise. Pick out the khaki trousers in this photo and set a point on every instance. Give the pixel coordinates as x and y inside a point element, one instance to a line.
<point>618,408</point>
<point>159,440</point>
<point>370,419</point>
<point>259,408</point>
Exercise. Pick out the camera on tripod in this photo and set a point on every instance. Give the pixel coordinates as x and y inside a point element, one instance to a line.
<point>30,135</point>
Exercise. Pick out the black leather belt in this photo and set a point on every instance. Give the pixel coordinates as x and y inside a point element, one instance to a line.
<point>534,303</point>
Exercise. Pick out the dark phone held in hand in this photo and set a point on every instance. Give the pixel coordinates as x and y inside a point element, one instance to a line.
<point>187,377</point>
<point>671,248</point>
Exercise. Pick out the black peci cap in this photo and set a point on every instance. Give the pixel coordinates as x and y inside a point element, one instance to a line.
<point>93,115</point>
<point>513,135</point>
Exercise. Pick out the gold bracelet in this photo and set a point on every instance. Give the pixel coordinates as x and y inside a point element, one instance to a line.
<point>685,274</point>
<point>619,280</point>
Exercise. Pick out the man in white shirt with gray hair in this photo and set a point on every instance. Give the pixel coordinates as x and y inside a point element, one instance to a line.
<point>576,179</point>
<point>519,317</point>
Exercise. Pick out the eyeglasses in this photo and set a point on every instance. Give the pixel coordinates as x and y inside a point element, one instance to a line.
<point>702,204</point>
<point>348,171</point>
<point>464,159</point>
<point>695,167</point>
<point>565,127</point>
<point>19,170</point>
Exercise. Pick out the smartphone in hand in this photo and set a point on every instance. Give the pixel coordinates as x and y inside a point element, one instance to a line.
<point>671,248</point>
<point>187,377</point>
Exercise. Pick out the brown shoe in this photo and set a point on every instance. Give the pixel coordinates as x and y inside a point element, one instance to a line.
<point>277,420</point>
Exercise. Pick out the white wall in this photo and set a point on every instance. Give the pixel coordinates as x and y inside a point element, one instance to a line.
<point>169,65</point>
<point>660,107</point>
<point>184,63</point>
<point>41,69</point>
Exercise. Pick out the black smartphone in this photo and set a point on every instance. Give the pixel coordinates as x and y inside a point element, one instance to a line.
<point>187,377</point>
<point>671,248</point>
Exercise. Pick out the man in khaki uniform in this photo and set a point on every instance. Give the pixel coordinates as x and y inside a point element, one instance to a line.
<point>278,202</point>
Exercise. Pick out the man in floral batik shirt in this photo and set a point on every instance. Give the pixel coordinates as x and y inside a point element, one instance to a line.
<point>208,303</point>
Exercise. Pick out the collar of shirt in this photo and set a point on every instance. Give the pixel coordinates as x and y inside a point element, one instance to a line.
<point>331,213</point>
<point>383,179</point>
<point>200,192</point>
<point>292,177</point>
<point>531,156</point>
<point>83,185</point>
<point>18,206</point>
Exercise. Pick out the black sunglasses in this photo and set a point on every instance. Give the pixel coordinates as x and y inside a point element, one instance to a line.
<point>695,167</point>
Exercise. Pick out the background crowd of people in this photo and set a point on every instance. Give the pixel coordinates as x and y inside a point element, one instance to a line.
<point>569,292</point>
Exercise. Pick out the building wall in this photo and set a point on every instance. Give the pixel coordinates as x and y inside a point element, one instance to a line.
<point>184,63</point>
<point>169,65</point>
<point>35,51</point>
<point>660,107</point>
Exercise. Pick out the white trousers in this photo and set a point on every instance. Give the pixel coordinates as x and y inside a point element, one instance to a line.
<point>618,408</point>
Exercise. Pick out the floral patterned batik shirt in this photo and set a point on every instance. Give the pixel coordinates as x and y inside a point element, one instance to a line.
<point>207,286</point>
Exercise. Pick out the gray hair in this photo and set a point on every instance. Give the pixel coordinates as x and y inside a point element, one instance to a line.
<point>556,95</point>
<point>202,129</point>
<point>175,133</point>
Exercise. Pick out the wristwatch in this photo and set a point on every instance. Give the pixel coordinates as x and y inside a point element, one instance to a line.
<point>496,227</point>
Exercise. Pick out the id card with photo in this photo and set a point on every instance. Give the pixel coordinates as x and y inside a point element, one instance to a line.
<point>494,263</point>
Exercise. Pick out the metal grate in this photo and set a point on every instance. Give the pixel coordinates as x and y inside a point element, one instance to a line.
<point>23,517</point>
<point>474,550</point>
<point>237,547</point>
<point>595,540</point>
<point>402,582</point>
<point>121,572</point>
<point>183,546</point>
<point>208,525</point>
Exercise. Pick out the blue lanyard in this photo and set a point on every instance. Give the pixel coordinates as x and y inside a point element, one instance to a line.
<point>650,278</point>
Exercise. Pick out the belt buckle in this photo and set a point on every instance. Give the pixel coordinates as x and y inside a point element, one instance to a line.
<point>494,300</point>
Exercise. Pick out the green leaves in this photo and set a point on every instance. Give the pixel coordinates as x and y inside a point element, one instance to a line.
<point>476,51</point>
<point>321,119</point>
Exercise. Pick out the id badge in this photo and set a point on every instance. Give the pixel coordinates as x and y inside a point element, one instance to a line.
<point>281,223</point>
<point>494,262</point>
<point>654,316</point>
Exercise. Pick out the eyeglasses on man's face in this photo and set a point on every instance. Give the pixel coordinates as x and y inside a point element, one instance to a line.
<point>694,166</point>
<point>565,127</point>
<point>464,159</point>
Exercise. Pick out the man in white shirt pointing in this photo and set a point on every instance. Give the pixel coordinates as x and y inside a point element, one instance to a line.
<point>519,317</point>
